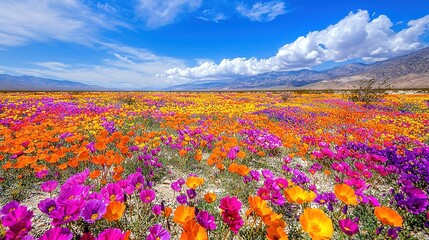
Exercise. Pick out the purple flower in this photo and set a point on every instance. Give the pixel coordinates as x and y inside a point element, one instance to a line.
<point>206,220</point>
<point>255,175</point>
<point>47,205</point>
<point>93,210</point>
<point>147,195</point>
<point>136,180</point>
<point>348,226</point>
<point>49,186</point>
<point>191,193</point>
<point>58,234</point>
<point>9,207</point>
<point>417,200</point>
<point>77,179</point>
<point>157,232</point>
<point>182,199</point>
<point>267,173</point>
<point>176,186</point>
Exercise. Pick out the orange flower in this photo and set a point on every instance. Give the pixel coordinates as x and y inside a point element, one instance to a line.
<point>316,223</point>
<point>346,194</point>
<point>258,206</point>
<point>241,154</point>
<point>193,231</point>
<point>388,216</point>
<point>233,167</point>
<point>243,170</point>
<point>210,197</point>
<point>183,214</point>
<point>182,152</point>
<point>298,195</point>
<point>167,211</point>
<point>114,211</point>
<point>194,182</point>
<point>274,219</point>
<point>94,174</point>
<point>276,233</point>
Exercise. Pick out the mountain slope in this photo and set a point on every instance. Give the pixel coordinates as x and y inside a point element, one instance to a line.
<point>407,71</point>
<point>29,83</point>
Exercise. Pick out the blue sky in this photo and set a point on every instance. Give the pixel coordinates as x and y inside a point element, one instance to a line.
<point>147,44</point>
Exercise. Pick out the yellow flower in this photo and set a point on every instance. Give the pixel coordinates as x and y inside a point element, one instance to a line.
<point>316,223</point>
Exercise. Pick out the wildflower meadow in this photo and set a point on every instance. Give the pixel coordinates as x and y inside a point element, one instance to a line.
<point>215,165</point>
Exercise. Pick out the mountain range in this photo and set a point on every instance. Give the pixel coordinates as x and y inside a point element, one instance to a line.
<point>30,83</point>
<point>407,71</point>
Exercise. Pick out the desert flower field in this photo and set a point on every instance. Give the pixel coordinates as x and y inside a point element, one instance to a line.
<point>231,165</point>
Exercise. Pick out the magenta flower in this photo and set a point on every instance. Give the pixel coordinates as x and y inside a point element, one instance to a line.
<point>111,234</point>
<point>77,179</point>
<point>20,214</point>
<point>156,209</point>
<point>113,192</point>
<point>348,226</point>
<point>66,213</point>
<point>72,192</point>
<point>9,207</point>
<point>42,173</point>
<point>49,186</point>
<point>157,232</point>
<point>136,181</point>
<point>206,220</point>
<point>18,230</point>
<point>93,211</point>
<point>230,204</point>
<point>147,195</point>
<point>58,234</point>
<point>230,215</point>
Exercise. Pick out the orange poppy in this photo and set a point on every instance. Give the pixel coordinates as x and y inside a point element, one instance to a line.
<point>276,233</point>
<point>258,206</point>
<point>94,174</point>
<point>194,182</point>
<point>388,216</point>
<point>114,211</point>
<point>298,195</point>
<point>183,214</point>
<point>193,231</point>
<point>210,197</point>
<point>346,194</point>
<point>316,223</point>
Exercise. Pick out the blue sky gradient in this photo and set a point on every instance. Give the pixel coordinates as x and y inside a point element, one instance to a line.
<point>147,44</point>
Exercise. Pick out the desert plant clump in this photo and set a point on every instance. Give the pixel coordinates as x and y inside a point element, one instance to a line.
<point>369,91</point>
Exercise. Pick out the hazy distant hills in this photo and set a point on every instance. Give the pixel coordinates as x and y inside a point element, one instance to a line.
<point>408,71</point>
<point>29,83</point>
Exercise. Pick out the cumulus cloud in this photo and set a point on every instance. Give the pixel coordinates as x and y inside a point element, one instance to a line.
<point>262,12</point>
<point>34,20</point>
<point>159,13</point>
<point>356,36</point>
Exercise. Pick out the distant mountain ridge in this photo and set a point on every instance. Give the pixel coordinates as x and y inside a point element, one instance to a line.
<point>407,71</point>
<point>30,83</point>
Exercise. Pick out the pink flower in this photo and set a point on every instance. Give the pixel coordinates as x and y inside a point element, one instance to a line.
<point>49,186</point>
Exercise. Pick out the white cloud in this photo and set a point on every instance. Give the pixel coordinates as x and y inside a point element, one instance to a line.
<point>262,12</point>
<point>354,37</point>
<point>157,13</point>
<point>212,16</point>
<point>126,68</point>
<point>43,20</point>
